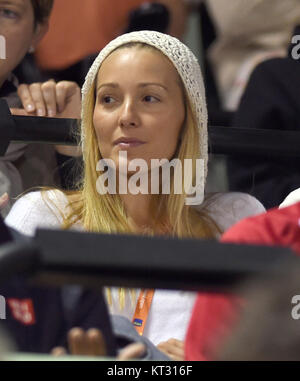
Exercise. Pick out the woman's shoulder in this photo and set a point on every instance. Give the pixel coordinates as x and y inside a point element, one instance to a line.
<point>37,209</point>
<point>228,208</point>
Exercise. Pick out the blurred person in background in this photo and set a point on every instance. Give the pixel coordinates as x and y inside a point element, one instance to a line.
<point>212,324</point>
<point>247,33</point>
<point>270,101</point>
<point>79,29</point>
<point>268,328</point>
<point>23,23</point>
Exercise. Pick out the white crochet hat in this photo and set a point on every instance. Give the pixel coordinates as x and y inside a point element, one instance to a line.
<point>186,65</point>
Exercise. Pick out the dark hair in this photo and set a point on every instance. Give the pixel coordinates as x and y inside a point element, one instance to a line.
<point>42,10</point>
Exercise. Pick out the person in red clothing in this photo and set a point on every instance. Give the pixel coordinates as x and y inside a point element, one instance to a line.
<point>268,326</point>
<point>278,227</point>
<point>212,320</point>
<point>80,28</point>
<point>215,316</point>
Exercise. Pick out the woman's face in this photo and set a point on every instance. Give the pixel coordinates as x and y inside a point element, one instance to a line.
<point>139,106</point>
<point>17,28</point>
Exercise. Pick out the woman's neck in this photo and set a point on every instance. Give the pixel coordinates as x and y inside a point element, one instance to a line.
<point>138,210</point>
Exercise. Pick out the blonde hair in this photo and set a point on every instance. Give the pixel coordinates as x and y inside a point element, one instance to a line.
<point>106,213</point>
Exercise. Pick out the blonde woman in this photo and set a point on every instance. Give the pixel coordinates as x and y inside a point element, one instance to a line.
<point>144,96</point>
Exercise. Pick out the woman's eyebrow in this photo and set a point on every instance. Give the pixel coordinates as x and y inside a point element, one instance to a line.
<point>152,84</point>
<point>144,84</point>
<point>12,2</point>
<point>110,84</point>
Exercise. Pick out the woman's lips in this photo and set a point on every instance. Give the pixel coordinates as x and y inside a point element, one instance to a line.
<point>129,144</point>
<point>126,142</point>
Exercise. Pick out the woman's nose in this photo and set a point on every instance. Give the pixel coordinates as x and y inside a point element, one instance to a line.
<point>129,115</point>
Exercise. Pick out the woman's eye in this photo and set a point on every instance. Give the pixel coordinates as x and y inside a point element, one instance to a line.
<point>7,13</point>
<point>150,98</point>
<point>107,99</point>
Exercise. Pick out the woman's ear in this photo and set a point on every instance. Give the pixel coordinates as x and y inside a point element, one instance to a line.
<point>40,31</point>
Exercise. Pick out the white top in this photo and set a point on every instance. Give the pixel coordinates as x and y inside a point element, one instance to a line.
<point>170,310</point>
<point>291,198</point>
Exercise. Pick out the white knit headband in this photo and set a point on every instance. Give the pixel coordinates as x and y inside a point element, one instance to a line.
<point>186,65</point>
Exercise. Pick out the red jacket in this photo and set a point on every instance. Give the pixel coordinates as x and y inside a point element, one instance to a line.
<point>214,315</point>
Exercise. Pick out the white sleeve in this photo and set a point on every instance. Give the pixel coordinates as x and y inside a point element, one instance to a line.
<point>228,208</point>
<point>32,211</point>
<point>291,199</point>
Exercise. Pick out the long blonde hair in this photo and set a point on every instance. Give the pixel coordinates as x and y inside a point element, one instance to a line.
<point>106,213</point>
